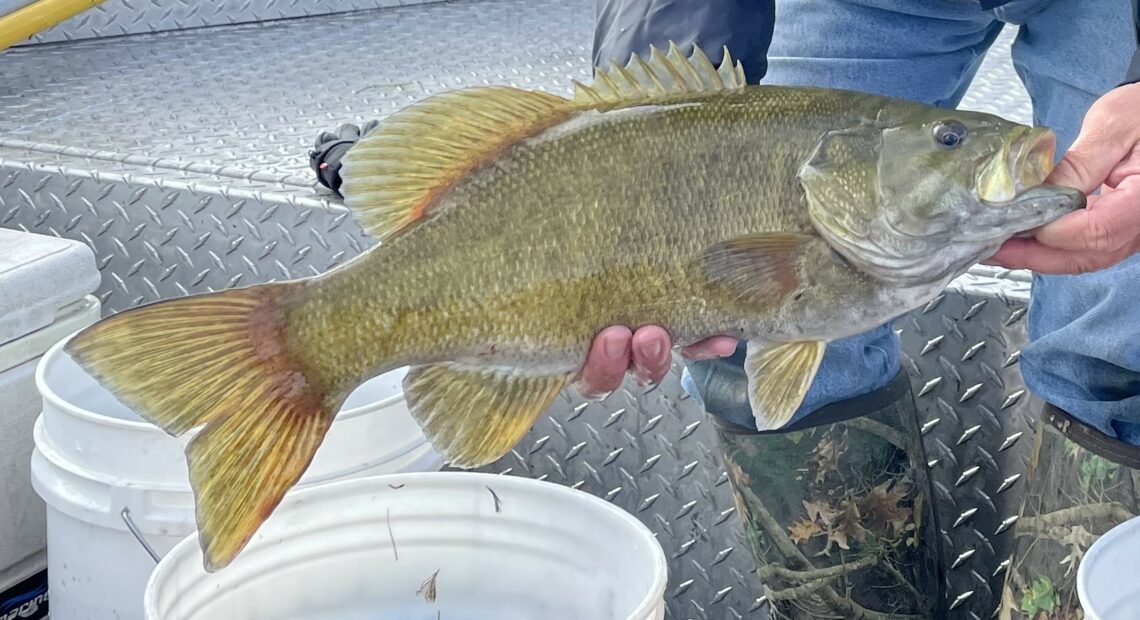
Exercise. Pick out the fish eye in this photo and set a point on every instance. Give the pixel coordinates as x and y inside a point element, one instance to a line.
<point>950,134</point>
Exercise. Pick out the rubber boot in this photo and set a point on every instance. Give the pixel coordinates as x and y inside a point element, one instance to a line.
<point>1079,484</point>
<point>836,507</point>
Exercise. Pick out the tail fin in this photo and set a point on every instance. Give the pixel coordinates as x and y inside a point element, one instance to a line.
<point>218,360</point>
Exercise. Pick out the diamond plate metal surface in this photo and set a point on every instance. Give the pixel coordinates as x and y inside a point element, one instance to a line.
<point>961,353</point>
<point>181,158</point>
<point>996,88</point>
<point>247,101</point>
<point>116,18</point>
<point>154,239</point>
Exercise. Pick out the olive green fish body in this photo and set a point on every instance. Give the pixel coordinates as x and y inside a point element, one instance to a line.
<point>513,225</point>
<point>599,220</point>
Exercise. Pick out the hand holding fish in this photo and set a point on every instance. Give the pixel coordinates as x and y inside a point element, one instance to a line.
<point>1106,154</point>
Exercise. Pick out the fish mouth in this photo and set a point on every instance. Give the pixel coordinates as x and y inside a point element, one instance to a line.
<point>1015,200</point>
<point>1023,163</point>
<point>1034,157</point>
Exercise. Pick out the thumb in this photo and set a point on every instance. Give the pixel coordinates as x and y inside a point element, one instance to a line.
<point>1095,152</point>
<point>1088,162</point>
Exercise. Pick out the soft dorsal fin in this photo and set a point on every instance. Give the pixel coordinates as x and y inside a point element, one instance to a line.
<point>393,175</point>
<point>662,77</point>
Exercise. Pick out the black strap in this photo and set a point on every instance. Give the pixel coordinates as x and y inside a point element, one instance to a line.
<point>325,161</point>
<point>857,406</point>
<point>1091,439</point>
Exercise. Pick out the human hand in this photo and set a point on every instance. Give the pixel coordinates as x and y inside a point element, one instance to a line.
<point>646,352</point>
<point>1105,154</point>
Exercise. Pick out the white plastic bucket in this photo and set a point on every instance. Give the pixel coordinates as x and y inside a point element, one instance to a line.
<point>95,458</point>
<point>1108,578</point>
<point>490,546</point>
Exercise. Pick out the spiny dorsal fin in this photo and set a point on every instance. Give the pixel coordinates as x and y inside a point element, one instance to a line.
<point>662,77</point>
<point>393,175</point>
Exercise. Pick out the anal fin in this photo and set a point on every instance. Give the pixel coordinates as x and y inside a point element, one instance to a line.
<point>473,416</point>
<point>778,378</point>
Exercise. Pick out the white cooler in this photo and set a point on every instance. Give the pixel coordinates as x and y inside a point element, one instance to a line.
<point>46,286</point>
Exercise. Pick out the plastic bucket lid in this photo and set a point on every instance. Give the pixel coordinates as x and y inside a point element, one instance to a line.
<point>1108,578</point>
<point>446,545</point>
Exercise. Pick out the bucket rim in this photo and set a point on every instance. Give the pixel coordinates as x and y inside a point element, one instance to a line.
<point>185,549</point>
<point>51,396</point>
<point>1107,540</point>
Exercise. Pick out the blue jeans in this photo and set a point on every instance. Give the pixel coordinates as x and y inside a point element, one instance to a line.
<point>1084,354</point>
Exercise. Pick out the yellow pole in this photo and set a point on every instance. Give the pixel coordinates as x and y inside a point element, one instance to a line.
<point>22,23</point>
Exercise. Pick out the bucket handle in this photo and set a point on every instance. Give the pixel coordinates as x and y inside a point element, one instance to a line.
<point>126,515</point>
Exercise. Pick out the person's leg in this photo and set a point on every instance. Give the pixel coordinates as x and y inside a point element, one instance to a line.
<point>1084,354</point>
<point>836,510</point>
<point>924,51</point>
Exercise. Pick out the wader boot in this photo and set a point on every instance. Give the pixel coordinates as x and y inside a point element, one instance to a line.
<point>1079,484</point>
<point>836,507</point>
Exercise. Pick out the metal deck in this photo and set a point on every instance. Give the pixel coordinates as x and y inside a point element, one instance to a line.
<point>181,158</point>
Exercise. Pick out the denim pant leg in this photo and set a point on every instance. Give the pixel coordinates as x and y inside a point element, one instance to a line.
<point>926,51</point>
<point>1084,331</point>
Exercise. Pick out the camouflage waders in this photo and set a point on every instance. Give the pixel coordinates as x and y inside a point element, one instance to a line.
<point>1079,484</point>
<point>836,507</point>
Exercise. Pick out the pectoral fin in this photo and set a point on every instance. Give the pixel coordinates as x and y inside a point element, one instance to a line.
<point>778,378</point>
<point>473,416</point>
<point>760,267</point>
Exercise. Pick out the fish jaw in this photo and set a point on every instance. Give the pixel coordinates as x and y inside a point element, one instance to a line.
<point>981,235</point>
<point>1012,197</point>
<point>1037,206</point>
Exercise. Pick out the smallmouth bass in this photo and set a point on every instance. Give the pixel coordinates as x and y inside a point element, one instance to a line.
<point>514,225</point>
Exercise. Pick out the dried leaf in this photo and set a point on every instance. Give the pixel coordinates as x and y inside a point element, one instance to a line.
<point>736,472</point>
<point>826,456</point>
<point>838,537</point>
<point>819,510</point>
<point>882,506</point>
<point>802,530</point>
<point>428,588</point>
<point>846,525</point>
<point>1077,541</point>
